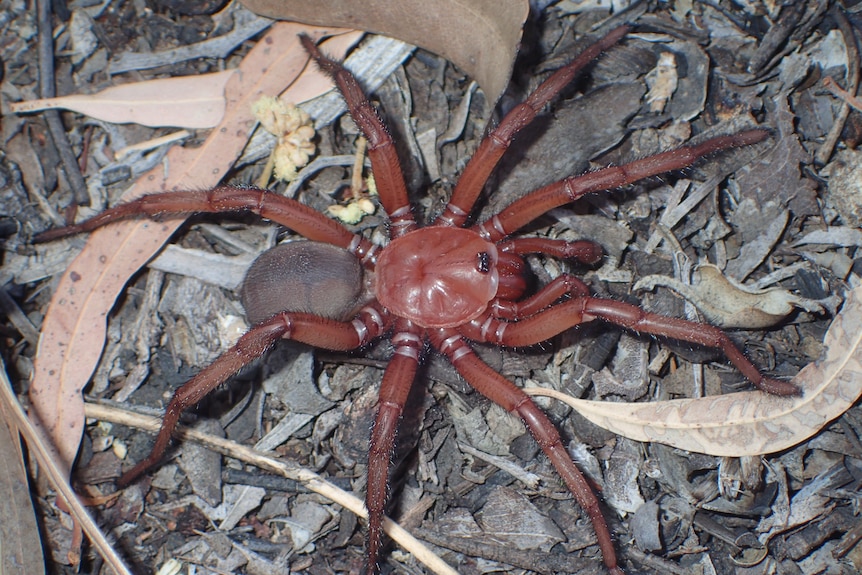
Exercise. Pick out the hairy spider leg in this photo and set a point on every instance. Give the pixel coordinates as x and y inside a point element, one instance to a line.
<point>558,318</point>
<point>394,389</point>
<point>302,327</point>
<point>491,149</point>
<point>504,393</point>
<point>526,209</point>
<point>391,188</point>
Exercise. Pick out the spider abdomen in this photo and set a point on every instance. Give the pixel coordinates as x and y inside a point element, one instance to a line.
<point>437,277</point>
<point>303,276</point>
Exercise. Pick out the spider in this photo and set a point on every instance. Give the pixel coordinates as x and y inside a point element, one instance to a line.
<point>441,286</point>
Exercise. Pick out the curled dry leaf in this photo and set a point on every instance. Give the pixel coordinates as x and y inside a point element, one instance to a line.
<point>480,36</point>
<point>746,423</point>
<point>73,332</point>
<point>729,304</point>
<point>662,81</point>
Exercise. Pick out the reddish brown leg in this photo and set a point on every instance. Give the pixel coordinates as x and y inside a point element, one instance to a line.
<point>584,251</point>
<point>509,304</point>
<point>306,328</point>
<point>505,394</point>
<point>508,310</point>
<point>557,319</point>
<point>394,390</point>
<point>381,149</point>
<point>493,146</point>
<point>289,213</point>
<point>523,211</point>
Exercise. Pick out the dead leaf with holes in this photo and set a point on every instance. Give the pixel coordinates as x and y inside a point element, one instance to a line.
<point>746,423</point>
<point>73,332</point>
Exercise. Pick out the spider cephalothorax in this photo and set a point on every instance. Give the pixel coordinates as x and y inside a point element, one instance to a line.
<point>444,284</point>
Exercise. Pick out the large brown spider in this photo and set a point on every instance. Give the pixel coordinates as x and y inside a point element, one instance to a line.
<point>444,284</point>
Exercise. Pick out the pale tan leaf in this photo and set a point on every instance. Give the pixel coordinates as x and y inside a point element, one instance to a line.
<point>747,423</point>
<point>480,36</point>
<point>193,102</point>
<point>73,332</point>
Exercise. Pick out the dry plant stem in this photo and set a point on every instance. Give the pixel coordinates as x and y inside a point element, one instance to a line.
<point>442,282</point>
<point>823,154</point>
<point>57,478</point>
<point>356,176</point>
<point>836,90</point>
<point>52,117</point>
<point>266,174</point>
<point>310,480</point>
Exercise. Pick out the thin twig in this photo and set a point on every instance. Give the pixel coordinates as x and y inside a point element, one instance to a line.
<point>56,477</point>
<point>836,90</point>
<point>312,481</point>
<point>52,117</point>
<point>824,152</point>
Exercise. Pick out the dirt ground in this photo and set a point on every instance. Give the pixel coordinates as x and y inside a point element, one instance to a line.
<point>783,214</point>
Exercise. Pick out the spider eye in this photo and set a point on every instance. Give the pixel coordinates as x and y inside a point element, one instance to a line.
<point>484,263</point>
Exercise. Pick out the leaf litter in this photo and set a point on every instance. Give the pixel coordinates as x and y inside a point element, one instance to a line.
<point>696,475</point>
<point>747,423</point>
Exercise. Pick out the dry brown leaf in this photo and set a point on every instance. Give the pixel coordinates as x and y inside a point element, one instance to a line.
<point>729,304</point>
<point>480,36</point>
<point>194,102</point>
<point>73,332</point>
<point>746,423</point>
